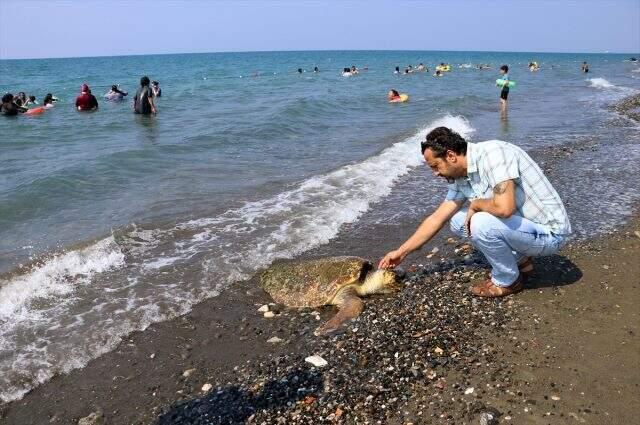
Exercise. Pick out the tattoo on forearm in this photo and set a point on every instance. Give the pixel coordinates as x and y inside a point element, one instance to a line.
<point>500,188</point>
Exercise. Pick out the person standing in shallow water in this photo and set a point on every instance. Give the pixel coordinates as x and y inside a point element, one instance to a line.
<point>504,93</point>
<point>585,67</point>
<point>513,214</point>
<point>143,101</point>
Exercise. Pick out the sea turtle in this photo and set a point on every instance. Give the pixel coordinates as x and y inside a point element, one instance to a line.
<point>328,281</point>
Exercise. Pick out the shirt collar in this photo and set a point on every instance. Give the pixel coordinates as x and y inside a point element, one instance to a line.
<point>472,166</point>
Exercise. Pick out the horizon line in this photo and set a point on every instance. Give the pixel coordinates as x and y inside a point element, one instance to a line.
<point>315,50</point>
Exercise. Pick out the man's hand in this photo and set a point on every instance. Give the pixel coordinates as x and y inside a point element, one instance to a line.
<point>392,259</point>
<point>467,220</point>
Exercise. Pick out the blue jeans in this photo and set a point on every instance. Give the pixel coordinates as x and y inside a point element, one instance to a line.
<point>506,241</point>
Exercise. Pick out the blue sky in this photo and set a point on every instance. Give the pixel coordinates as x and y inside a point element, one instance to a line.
<point>57,28</point>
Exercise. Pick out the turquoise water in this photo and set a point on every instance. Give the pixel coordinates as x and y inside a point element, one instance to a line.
<point>111,221</point>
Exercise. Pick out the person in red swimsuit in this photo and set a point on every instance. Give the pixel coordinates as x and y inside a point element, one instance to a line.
<point>86,101</point>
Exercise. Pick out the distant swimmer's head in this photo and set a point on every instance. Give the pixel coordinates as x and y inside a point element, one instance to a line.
<point>445,152</point>
<point>397,69</point>
<point>504,69</point>
<point>315,69</point>
<point>47,99</point>
<point>114,87</point>
<point>7,98</point>
<point>18,101</point>
<point>32,98</point>
<point>299,70</point>
<point>393,94</point>
<point>144,81</point>
<point>154,83</point>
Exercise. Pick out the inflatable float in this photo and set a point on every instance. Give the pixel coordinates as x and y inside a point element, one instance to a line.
<point>36,111</point>
<point>403,98</point>
<point>500,83</point>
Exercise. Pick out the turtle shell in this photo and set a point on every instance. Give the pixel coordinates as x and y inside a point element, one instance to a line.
<point>312,283</point>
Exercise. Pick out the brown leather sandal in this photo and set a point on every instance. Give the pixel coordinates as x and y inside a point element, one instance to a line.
<point>487,289</point>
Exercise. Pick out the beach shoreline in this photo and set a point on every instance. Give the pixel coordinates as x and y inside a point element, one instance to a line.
<point>223,342</point>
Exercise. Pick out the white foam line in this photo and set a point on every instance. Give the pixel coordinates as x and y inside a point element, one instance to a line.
<point>57,277</point>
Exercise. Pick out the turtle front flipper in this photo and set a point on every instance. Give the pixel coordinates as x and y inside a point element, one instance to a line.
<point>350,306</point>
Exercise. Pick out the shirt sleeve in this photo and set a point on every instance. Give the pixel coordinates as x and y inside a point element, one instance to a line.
<point>501,165</point>
<point>455,194</point>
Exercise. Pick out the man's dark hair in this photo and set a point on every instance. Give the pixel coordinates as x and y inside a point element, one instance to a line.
<point>443,139</point>
<point>8,97</point>
<point>144,81</point>
<point>505,68</point>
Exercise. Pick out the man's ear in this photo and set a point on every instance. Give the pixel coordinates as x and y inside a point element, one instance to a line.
<point>451,156</point>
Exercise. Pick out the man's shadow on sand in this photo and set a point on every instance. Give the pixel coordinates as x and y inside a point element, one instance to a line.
<point>233,405</point>
<point>553,271</point>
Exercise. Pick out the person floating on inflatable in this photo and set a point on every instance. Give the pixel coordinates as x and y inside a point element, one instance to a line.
<point>443,67</point>
<point>395,97</point>
<point>115,94</point>
<point>533,66</point>
<point>438,73</point>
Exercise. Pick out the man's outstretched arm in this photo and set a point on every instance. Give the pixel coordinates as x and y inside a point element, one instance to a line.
<point>427,230</point>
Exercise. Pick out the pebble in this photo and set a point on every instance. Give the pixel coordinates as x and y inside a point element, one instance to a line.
<point>264,309</point>
<point>95,418</point>
<point>316,360</point>
<point>555,398</point>
<point>468,391</point>
<point>274,340</point>
<point>269,314</point>
<point>206,387</point>
<point>406,349</point>
<point>488,418</point>
<point>187,373</point>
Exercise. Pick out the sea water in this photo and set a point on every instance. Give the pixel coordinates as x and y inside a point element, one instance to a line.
<point>110,221</point>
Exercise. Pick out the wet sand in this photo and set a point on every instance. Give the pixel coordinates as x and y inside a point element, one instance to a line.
<point>566,349</point>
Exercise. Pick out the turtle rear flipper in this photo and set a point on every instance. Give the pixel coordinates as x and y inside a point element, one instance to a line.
<point>350,306</point>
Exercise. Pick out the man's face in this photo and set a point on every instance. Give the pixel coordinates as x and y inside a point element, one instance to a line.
<point>448,167</point>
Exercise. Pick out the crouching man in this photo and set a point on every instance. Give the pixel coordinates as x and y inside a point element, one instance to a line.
<point>513,213</point>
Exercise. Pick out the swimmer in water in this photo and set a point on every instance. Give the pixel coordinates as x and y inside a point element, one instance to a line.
<point>585,67</point>
<point>47,102</point>
<point>315,69</point>
<point>9,106</point>
<point>397,70</point>
<point>86,101</point>
<point>31,101</point>
<point>115,93</point>
<point>393,95</point>
<point>346,72</point>
<point>354,70</point>
<point>157,91</point>
<point>299,70</point>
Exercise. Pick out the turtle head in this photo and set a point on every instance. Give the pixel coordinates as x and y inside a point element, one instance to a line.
<point>381,281</point>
